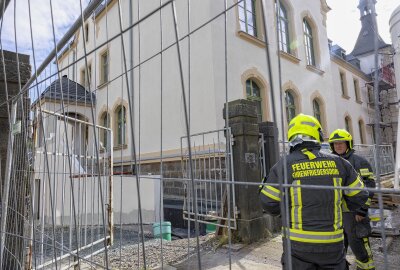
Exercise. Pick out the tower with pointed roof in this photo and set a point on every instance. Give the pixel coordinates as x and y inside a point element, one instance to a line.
<point>364,50</point>
<point>364,46</point>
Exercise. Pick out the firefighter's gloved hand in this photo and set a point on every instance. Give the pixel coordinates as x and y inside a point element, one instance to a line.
<point>363,228</point>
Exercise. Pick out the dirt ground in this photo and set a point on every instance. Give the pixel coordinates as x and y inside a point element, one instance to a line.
<point>266,255</point>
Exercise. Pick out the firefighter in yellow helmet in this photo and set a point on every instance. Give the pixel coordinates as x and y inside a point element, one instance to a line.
<point>315,214</point>
<point>355,223</point>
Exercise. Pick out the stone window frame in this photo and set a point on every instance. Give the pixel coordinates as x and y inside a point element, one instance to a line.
<point>104,67</point>
<point>343,84</point>
<point>357,92</point>
<point>104,133</point>
<point>348,123</point>
<point>361,131</point>
<point>120,135</point>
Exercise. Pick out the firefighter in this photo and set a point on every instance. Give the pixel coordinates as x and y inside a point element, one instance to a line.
<point>315,214</point>
<point>355,223</point>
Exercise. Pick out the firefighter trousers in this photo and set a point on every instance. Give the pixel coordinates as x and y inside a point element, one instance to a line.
<point>360,246</point>
<point>302,260</point>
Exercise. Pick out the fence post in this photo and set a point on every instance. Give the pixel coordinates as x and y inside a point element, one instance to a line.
<point>271,156</point>
<point>271,145</point>
<point>246,168</point>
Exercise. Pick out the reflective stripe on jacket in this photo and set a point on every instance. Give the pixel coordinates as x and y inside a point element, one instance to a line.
<point>364,168</point>
<point>315,214</point>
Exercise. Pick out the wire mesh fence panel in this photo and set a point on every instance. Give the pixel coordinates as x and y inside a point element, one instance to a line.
<point>386,156</point>
<point>68,219</point>
<point>211,151</point>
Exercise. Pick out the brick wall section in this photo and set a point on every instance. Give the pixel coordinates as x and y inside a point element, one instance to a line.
<point>172,169</point>
<point>10,60</point>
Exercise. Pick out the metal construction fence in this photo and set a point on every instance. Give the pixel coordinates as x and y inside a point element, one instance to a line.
<point>385,154</point>
<point>105,113</point>
<point>211,153</point>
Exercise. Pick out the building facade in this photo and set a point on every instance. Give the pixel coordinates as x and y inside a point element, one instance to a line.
<point>312,75</point>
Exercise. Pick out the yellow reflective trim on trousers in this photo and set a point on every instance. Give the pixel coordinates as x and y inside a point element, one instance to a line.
<point>367,265</point>
<point>356,184</point>
<point>367,247</point>
<point>337,223</point>
<point>296,205</point>
<point>270,194</point>
<point>316,237</point>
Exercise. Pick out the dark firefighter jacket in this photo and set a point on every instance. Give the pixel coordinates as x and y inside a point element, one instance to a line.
<point>363,167</point>
<point>315,215</point>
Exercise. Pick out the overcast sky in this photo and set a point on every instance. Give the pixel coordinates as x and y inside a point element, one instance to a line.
<point>343,23</point>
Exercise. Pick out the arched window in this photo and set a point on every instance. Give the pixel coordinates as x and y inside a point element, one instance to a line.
<point>290,105</point>
<point>309,43</point>
<point>361,130</point>
<point>253,93</point>
<point>347,123</point>
<point>247,17</point>
<point>121,125</point>
<point>283,29</point>
<point>317,110</point>
<point>104,136</point>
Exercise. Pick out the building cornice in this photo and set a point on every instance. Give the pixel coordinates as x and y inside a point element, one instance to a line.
<point>346,65</point>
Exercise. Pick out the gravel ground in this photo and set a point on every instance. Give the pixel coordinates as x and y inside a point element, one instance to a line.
<point>127,254</point>
<point>172,252</point>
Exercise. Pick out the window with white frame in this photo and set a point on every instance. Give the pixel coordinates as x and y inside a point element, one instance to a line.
<point>283,29</point>
<point>247,17</point>
<point>104,67</point>
<point>253,93</point>
<point>309,43</point>
<point>290,105</point>
<point>347,123</point>
<point>317,110</point>
<point>105,122</point>
<point>121,125</point>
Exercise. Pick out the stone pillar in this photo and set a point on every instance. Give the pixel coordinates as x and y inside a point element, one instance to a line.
<point>243,123</point>
<point>271,145</point>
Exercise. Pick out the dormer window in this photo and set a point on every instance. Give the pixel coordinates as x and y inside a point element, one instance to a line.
<point>343,54</point>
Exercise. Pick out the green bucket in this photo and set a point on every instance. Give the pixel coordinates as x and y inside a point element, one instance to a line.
<point>212,226</point>
<point>165,228</point>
